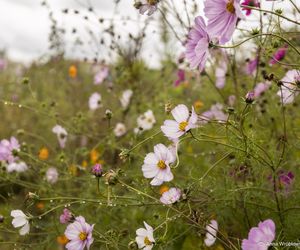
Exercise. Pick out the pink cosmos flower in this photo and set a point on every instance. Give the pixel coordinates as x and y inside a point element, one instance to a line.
<point>215,112</point>
<point>279,55</point>
<point>285,180</point>
<point>157,165</point>
<point>221,71</point>
<point>18,167</point>
<point>260,237</point>
<point>180,77</point>
<point>66,216</point>
<point>170,196</point>
<point>251,66</point>
<point>80,234</point>
<point>260,88</point>
<point>182,124</point>
<point>97,170</point>
<point>211,234</point>
<point>222,18</point>
<point>288,91</point>
<point>52,175</point>
<point>95,101</point>
<point>101,75</point>
<point>61,135</point>
<point>7,147</point>
<point>250,3</point>
<point>197,46</point>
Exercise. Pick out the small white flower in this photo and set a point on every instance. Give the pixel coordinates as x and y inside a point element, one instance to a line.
<point>20,220</point>
<point>95,101</point>
<point>170,196</point>
<point>144,237</point>
<point>146,120</point>
<point>157,165</point>
<point>120,129</point>
<point>288,91</point>
<point>61,135</point>
<point>183,122</point>
<point>52,175</point>
<point>125,98</point>
<point>16,166</point>
<point>211,234</point>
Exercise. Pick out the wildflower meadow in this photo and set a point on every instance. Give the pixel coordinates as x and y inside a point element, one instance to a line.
<point>194,148</point>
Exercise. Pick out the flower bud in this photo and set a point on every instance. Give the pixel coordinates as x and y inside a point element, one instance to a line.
<point>97,170</point>
<point>249,97</point>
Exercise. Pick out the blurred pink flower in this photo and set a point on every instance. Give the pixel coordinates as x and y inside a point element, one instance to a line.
<point>18,167</point>
<point>95,101</point>
<point>211,234</point>
<point>260,88</point>
<point>231,100</point>
<point>157,165</point>
<point>260,237</point>
<point>197,45</point>
<point>288,91</point>
<point>251,66</point>
<point>101,75</point>
<point>97,170</point>
<point>222,18</point>
<point>66,216</point>
<point>250,3</point>
<point>180,77</point>
<point>215,112</point>
<point>221,71</point>
<point>2,64</point>
<point>80,234</point>
<point>279,55</point>
<point>7,147</point>
<point>182,124</point>
<point>61,134</point>
<point>52,175</point>
<point>170,196</point>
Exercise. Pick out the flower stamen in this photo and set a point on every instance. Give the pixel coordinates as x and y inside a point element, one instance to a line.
<point>147,241</point>
<point>230,7</point>
<point>82,236</point>
<point>161,164</point>
<point>183,125</point>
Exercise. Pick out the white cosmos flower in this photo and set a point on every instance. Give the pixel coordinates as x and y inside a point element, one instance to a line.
<point>211,234</point>
<point>120,129</point>
<point>125,98</point>
<point>61,135</point>
<point>95,101</point>
<point>157,165</point>
<point>52,175</point>
<point>288,91</point>
<point>20,220</point>
<point>144,237</point>
<point>183,122</point>
<point>146,120</point>
<point>170,196</point>
<point>16,166</point>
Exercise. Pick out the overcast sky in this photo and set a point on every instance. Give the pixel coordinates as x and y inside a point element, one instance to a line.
<point>25,27</point>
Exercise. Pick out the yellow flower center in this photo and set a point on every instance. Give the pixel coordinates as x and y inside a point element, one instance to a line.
<point>183,125</point>
<point>147,241</point>
<point>161,164</point>
<point>163,189</point>
<point>82,236</point>
<point>152,2</point>
<point>230,7</point>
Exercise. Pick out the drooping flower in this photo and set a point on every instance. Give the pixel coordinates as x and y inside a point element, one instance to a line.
<point>101,75</point>
<point>144,237</point>
<point>279,55</point>
<point>182,124</point>
<point>260,88</point>
<point>7,148</point>
<point>157,165</point>
<point>285,180</point>
<point>180,77</point>
<point>120,129</point>
<point>17,166</point>
<point>250,3</point>
<point>197,46</point>
<point>146,121</point>
<point>80,234</point>
<point>259,238</point>
<point>52,175</point>
<point>288,91</point>
<point>170,196</point>
<point>125,98</point>
<point>222,18</point>
<point>147,6</point>
<point>61,134</point>
<point>20,220</point>
<point>95,101</point>
<point>251,66</point>
<point>211,233</point>
<point>66,216</point>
